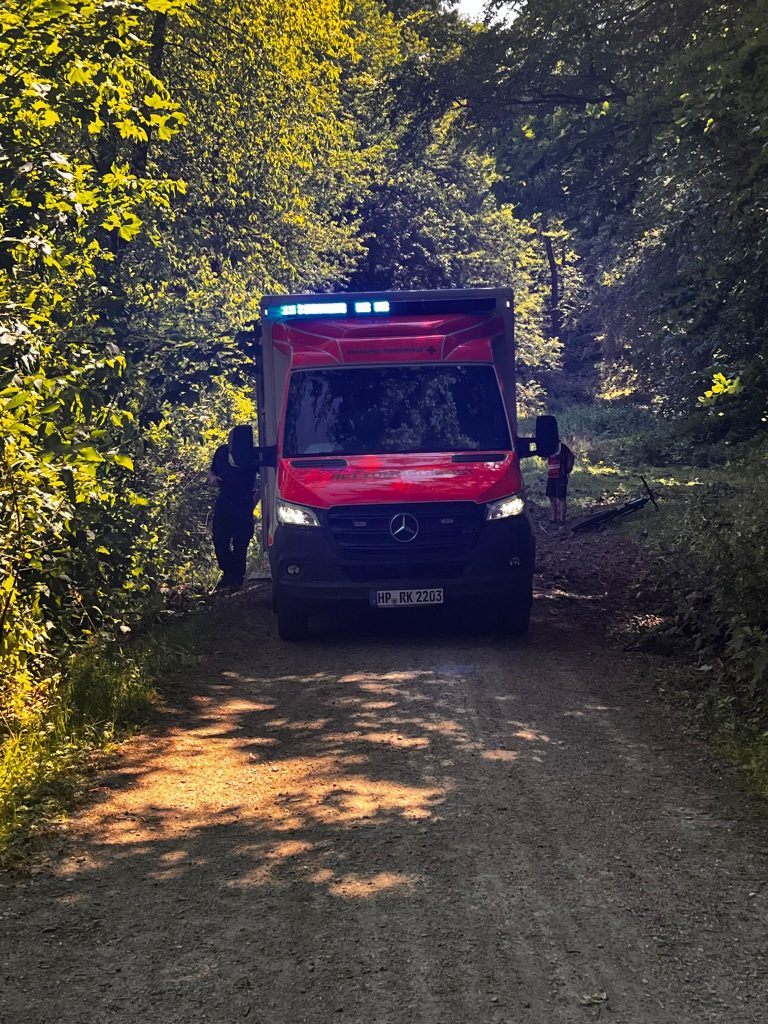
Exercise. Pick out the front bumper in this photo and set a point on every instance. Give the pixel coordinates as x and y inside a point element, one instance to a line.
<point>308,566</point>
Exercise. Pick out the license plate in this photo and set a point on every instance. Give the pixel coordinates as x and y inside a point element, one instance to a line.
<point>406,598</point>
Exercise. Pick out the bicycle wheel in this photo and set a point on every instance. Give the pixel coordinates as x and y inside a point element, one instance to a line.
<point>609,513</point>
<point>595,520</point>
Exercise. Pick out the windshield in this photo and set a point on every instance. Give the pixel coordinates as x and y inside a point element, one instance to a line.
<point>379,409</point>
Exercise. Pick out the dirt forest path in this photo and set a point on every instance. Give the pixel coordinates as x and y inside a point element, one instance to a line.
<point>417,825</point>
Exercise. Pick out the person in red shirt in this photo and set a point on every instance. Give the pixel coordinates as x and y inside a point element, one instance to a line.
<point>559,466</point>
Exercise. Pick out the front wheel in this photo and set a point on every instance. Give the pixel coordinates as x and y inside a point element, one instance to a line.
<point>514,615</point>
<point>292,620</point>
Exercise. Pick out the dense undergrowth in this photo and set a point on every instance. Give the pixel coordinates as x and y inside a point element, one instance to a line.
<point>83,655</point>
<point>90,702</point>
<point>702,592</point>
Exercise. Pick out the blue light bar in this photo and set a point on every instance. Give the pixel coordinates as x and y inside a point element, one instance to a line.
<point>309,309</point>
<point>321,309</point>
<point>362,306</point>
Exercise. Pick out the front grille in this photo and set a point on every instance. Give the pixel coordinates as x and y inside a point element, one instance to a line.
<point>447,533</point>
<point>381,572</point>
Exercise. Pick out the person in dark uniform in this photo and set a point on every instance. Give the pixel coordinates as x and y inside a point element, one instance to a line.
<point>239,493</point>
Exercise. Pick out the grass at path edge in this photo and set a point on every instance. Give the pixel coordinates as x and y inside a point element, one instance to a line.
<point>98,698</point>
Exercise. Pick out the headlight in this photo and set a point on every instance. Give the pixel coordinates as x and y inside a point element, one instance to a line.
<point>514,505</point>
<point>295,515</point>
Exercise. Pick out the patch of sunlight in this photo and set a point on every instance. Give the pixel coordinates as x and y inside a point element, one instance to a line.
<point>569,595</point>
<point>216,731</point>
<point>395,739</point>
<point>364,799</point>
<point>236,705</point>
<point>402,677</point>
<point>69,899</point>
<point>323,790</point>
<point>382,677</point>
<point>348,737</point>
<point>500,755</point>
<point>601,469</point>
<point>261,875</point>
<point>173,857</point>
<point>526,732</point>
<point>355,886</point>
<point>369,722</point>
<point>288,848</point>
<point>390,689</point>
<point>446,726</point>
<point>671,481</point>
<point>352,760</point>
<point>317,677</point>
<point>322,877</point>
<point>648,621</point>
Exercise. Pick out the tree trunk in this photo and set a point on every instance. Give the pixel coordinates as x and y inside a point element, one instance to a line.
<point>155,65</point>
<point>554,288</point>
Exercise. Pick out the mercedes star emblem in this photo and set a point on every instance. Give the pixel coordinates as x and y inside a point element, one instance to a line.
<point>403,527</point>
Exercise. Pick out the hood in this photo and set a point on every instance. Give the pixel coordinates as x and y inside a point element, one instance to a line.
<point>384,479</point>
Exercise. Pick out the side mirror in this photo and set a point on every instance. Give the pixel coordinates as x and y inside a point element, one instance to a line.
<point>547,436</point>
<point>544,443</point>
<point>245,453</point>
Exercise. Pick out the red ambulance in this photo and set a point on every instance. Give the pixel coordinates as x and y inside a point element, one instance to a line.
<point>388,454</point>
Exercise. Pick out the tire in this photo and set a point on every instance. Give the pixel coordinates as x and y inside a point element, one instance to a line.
<point>514,617</point>
<point>292,621</point>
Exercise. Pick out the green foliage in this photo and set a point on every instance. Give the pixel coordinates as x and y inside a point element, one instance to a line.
<point>715,581</point>
<point>707,579</point>
<point>44,743</point>
<point>278,151</point>
<point>72,80</point>
<point>120,559</point>
<point>615,432</point>
<point>703,570</point>
<point>721,388</point>
<point>434,222</point>
<point>646,132</point>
